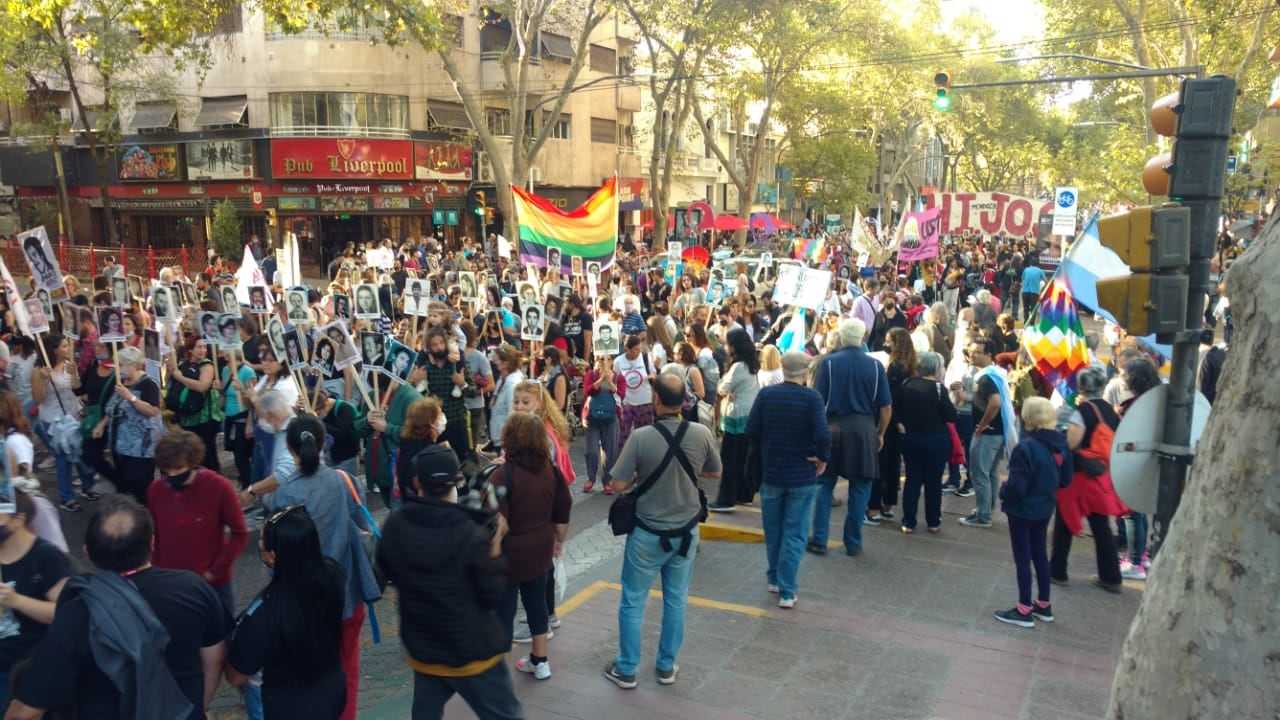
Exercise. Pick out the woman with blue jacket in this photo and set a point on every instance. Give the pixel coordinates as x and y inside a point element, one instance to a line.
<point>1038,467</point>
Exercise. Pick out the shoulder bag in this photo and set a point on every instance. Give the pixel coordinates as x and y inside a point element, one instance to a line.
<point>368,538</point>
<point>93,413</point>
<point>622,514</point>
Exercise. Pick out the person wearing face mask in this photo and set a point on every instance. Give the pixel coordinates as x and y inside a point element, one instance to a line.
<point>274,416</point>
<point>632,321</point>
<point>424,425</point>
<point>888,318</point>
<point>199,524</point>
<point>34,572</point>
<point>131,424</point>
<point>448,375</point>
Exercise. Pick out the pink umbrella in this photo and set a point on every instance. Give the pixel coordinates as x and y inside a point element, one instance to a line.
<point>769,223</point>
<point>730,223</point>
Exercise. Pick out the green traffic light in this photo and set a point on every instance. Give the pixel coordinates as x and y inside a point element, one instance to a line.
<point>479,211</point>
<point>942,103</point>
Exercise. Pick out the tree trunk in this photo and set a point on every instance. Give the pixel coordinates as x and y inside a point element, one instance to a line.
<point>1204,643</point>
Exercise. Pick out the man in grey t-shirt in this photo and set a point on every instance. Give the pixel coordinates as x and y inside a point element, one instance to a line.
<point>666,537</point>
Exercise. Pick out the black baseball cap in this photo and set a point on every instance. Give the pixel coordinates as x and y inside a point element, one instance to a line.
<point>436,468</point>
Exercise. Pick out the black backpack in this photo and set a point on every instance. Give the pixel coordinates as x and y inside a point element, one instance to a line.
<point>179,398</point>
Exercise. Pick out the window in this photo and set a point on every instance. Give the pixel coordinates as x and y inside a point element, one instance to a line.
<point>603,59</point>
<point>332,114</point>
<point>495,35</point>
<point>557,48</point>
<point>446,116</point>
<point>626,137</point>
<point>498,120</point>
<point>604,130</point>
<point>562,128</point>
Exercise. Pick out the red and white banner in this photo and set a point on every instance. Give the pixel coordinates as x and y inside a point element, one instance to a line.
<point>989,213</point>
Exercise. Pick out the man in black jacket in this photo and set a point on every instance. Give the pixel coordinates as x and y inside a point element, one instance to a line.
<point>1212,358</point>
<point>451,577</point>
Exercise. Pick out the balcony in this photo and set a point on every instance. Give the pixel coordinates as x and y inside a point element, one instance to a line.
<point>629,97</point>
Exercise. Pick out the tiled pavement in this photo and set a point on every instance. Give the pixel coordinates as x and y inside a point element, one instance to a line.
<point>902,632</point>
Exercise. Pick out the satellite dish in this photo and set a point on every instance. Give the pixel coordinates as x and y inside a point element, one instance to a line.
<point>1135,468</point>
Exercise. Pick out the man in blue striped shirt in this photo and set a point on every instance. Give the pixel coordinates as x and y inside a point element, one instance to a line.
<point>794,450</point>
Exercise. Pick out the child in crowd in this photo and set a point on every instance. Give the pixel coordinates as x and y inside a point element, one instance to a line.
<point>532,397</point>
<point>1038,467</point>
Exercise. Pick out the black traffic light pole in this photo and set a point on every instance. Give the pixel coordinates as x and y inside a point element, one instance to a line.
<point>1196,70</point>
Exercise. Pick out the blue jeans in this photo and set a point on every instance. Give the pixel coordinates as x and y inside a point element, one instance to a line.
<point>1136,531</point>
<point>63,466</point>
<point>786,512</point>
<point>642,560</point>
<point>984,463</point>
<point>855,511</point>
<point>964,428</point>
<point>253,702</point>
<point>926,455</point>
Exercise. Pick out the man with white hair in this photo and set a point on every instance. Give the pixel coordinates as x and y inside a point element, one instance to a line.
<point>274,415</point>
<point>855,391</point>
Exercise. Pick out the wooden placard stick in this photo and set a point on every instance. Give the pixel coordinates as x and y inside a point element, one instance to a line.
<point>359,382</point>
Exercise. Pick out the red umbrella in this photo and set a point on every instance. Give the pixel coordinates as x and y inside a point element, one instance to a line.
<point>730,223</point>
<point>648,224</point>
<point>767,222</point>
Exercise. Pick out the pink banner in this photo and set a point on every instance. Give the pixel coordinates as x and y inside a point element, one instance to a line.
<point>989,213</point>
<point>918,236</point>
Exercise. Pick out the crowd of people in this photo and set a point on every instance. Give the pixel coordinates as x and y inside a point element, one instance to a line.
<point>908,381</point>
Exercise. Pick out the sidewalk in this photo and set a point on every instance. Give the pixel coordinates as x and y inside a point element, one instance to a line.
<point>902,632</point>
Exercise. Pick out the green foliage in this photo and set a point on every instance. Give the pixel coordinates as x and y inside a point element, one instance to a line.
<point>225,232</point>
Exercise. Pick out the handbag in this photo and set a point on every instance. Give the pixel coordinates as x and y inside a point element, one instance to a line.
<point>93,413</point>
<point>368,538</point>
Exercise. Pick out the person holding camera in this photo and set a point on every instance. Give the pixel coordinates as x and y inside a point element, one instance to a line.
<point>446,559</point>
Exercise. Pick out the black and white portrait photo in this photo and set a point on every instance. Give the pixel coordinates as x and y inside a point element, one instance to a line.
<point>40,259</point>
<point>342,307</point>
<point>293,350</point>
<point>344,348</point>
<point>228,332</point>
<point>593,270</point>
<point>531,323</point>
<point>35,316</point>
<point>70,320</point>
<point>605,339</point>
<point>399,361</point>
<point>275,336</point>
<point>373,351</point>
<point>467,283</point>
<point>120,295</point>
<point>322,360</point>
<point>296,307</point>
<point>259,300</point>
<point>528,294</point>
<point>553,259</point>
<point>46,302</point>
<point>209,326</point>
<point>367,302</point>
<point>552,309</point>
<point>230,304</point>
<point>575,264</point>
<point>163,305</point>
<point>417,293</point>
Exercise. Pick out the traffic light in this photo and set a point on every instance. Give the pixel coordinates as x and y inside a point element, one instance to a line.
<point>1150,240</point>
<point>942,100</point>
<point>271,217</point>
<point>1168,247</point>
<point>480,202</point>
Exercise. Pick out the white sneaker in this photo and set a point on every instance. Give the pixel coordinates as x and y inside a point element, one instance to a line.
<point>541,671</point>
<point>1129,571</point>
<point>773,588</point>
<point>47,463</point>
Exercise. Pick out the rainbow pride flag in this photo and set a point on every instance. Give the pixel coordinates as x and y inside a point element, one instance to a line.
<point>1055,339</point>
<point>589,232</point>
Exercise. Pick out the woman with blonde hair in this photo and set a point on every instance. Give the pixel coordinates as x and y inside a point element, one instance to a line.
<point>509,363</point>
<point>532,397</point>
<point>663,347</point>
<point>770,366</point>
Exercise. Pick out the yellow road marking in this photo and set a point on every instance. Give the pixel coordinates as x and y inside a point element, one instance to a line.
<point>586,594</point>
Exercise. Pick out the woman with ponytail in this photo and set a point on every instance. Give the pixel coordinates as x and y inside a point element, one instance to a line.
<point>333,501</point>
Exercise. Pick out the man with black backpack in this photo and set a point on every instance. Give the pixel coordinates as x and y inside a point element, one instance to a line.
<point>660,516</point>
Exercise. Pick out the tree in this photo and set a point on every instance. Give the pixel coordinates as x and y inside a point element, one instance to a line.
<point>108,54</point>
<point>778,39</point>
<point>677,38</point>
<point>1203,644</point>
<point>225,231</point>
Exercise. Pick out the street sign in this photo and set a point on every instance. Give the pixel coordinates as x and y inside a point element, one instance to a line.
<point>451,217</point>
<point>833,220</point>
<point>1066,203</point>
<point>437,217</point>
<point>1135,464</point>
